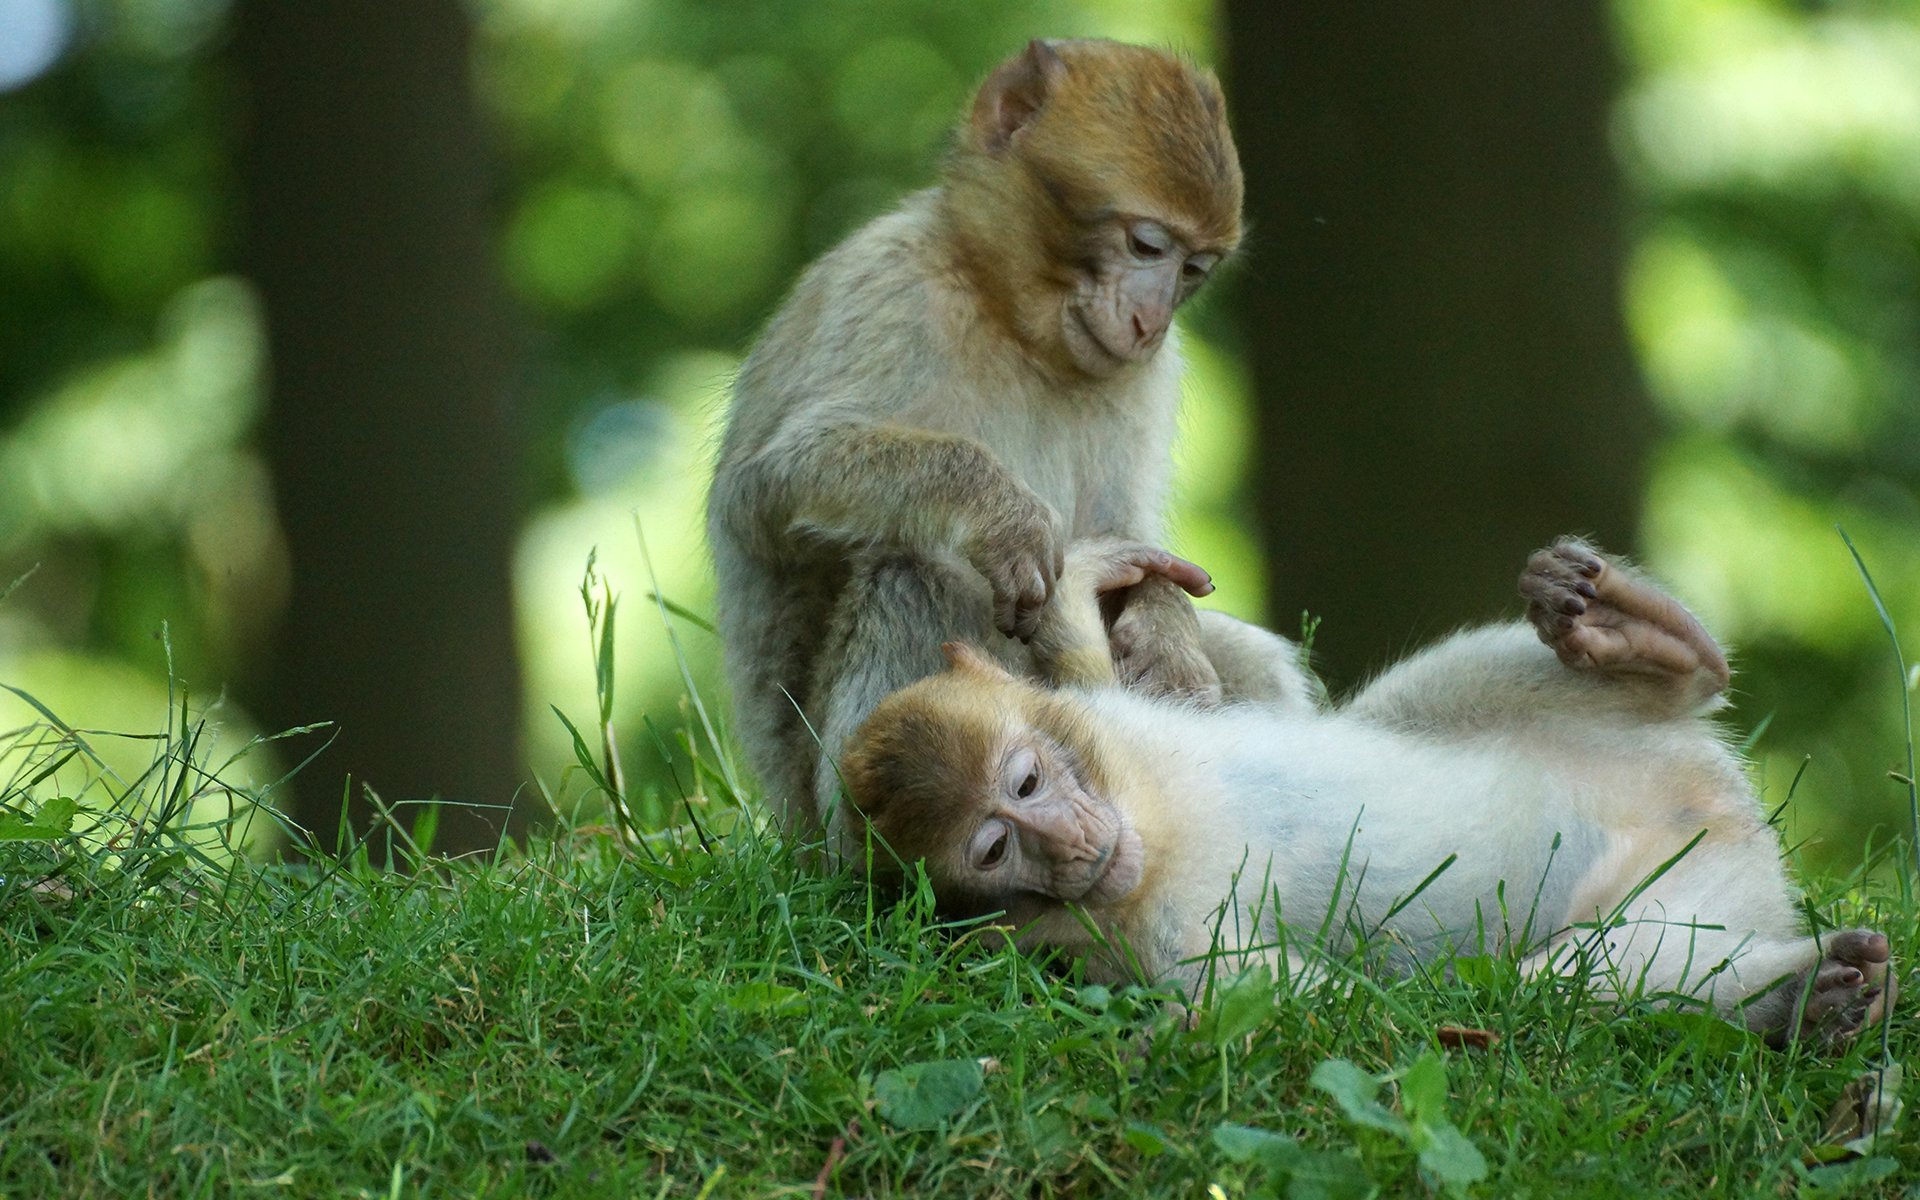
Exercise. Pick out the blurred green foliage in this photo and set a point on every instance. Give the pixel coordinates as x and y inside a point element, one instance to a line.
<point>1774,294</point>
<point>668,166</point>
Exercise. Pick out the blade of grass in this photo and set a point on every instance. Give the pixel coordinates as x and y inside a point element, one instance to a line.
<point>686,672</point>
<point>1906,688</point>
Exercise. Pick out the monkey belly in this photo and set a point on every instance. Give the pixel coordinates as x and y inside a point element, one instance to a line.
<point>1429,848</point>
<point>1428,858</point>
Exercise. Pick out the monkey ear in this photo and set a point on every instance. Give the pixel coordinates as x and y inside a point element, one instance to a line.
<point>962,657</point>
<point>1015,93</point>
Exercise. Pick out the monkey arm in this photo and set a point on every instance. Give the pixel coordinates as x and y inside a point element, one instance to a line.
<point>872,485</point>
<point>862,482</point>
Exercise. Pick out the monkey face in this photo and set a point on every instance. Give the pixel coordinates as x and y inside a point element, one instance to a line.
<point>1043,829</point>
<point>1094,187</point>
<point>1138,271</point>
<point>987,779</point>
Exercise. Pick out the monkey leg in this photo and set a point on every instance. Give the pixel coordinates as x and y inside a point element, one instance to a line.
<point>1596,616</point>
<point>1618,645</point>
<point>770,619</point>
<point>1157,645</point>
<point>1490,679</point>
<point>1719,926</point>
<point>886,633</point>
<point>1785,989</point>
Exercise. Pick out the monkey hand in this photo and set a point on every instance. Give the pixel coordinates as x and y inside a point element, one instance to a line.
<point>1105,566</point>
<point>1153,634</point>
<point>1021,553</point>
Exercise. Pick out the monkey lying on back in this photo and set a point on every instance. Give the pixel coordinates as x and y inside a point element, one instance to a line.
<point>960,388</point>
<point>1560,788</point>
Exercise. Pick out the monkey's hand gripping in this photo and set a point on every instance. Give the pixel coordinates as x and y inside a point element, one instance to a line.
<point>1017,547</point>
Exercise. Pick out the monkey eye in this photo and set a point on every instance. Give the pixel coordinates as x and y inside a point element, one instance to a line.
<point>994,849</point>
<point>1148,240</point>
<point>1022,774</point>
<point>1199,266</point>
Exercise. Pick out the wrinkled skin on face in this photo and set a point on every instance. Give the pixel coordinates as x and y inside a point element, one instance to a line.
<point>1042,830</point>
<point>1123,302</point>
<point>976,774</point>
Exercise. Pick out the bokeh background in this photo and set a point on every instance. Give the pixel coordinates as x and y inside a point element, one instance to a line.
<point>334,337</point>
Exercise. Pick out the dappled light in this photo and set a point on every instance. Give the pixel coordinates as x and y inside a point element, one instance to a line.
<point>374,817</point>
<point>1774,300</point>
<point>33,34</point>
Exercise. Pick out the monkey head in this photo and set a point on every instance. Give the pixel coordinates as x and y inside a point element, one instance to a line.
<point>996,784</point>
<point>1093,188</point>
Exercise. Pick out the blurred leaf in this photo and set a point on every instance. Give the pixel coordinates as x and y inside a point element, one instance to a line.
<point>1485,971</point>
<point>1851,1177</point>
<point>1712,1033</point>
<point>1247,1144</point>
<point>1354,1090</point>
<point>1453,1159</point>
<point>1239,1008</point>
<point>1423,1088</point>
<point>921,1095</point>
<point>764,997</point>
<point>1149,1141</point>
<point>54,820</point>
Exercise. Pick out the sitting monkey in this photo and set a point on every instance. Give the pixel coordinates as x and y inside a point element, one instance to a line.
<point>1569,801</point>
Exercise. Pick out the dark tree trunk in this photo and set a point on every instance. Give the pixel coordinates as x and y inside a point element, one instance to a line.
<point>1432,307</point>
<point>392,446</point>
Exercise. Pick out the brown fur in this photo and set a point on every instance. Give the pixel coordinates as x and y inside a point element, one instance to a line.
<point>1111,128</point>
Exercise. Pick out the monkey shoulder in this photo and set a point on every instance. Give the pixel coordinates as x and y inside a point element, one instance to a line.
<point>873,325</point>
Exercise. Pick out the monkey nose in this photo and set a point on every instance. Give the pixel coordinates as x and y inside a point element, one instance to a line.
<point>1148,325</point>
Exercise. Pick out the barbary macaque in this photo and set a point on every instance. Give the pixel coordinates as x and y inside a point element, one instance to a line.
<point>1566,802</point>
<point>961,388</point>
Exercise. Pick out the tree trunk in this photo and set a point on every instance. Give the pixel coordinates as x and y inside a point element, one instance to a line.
<point>1432,308</point>
<point>394,456</point>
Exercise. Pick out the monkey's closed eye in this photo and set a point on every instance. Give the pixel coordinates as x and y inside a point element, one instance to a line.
<point>996,849</point>
<point>1021,774</point>
<point>1148,240</point>
<point>1198,267</point>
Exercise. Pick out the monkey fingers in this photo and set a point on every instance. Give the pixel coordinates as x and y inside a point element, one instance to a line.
<point>1019,597</point>
<point>1020,555</point>
<point>1105,565</point>
<point>1596,616</point>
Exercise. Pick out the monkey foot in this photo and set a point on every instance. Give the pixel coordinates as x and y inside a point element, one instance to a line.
<point>1850,989</point>
<point>1597,617</point>
<point>1156,648</point>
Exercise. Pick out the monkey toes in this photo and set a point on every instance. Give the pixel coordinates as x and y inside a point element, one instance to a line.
<point>1852,988</point>
<point>1156,646</point>
<point>1597,617</point>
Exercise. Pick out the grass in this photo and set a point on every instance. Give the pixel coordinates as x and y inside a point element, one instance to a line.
<point>604,1012</point>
